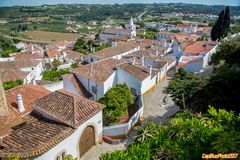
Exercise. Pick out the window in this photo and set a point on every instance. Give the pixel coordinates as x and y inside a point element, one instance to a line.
<point>61,155</point>
<point>94,89</point>
<point>134,91</point>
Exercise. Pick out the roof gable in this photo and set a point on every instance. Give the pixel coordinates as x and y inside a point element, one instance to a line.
<point>67,108</point>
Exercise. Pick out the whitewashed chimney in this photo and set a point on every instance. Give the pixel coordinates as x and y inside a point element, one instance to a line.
<point>20,103</point>
<point>133,61</point>
<point>34,82</point>
<point>142,60</point>
<point>150,70</point>
<point>156,52</point>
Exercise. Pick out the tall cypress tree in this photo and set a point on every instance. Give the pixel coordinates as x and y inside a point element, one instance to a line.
<point>217,27</point>
<point>221,26</point>
<point>226,22</point>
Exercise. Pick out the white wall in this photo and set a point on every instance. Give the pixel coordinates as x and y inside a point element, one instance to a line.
<point>194,67</point>
<point>148,83</point>
<point>87,83</point>
<point>69,87</point>
<point>54,87</point>
<point>110,82</point>
<point>7,59</point>
<point>71,143</point>
<point>131,81</point>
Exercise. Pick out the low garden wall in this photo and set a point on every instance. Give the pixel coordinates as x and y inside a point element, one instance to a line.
<point>124,128</point>
<point>54,86</point>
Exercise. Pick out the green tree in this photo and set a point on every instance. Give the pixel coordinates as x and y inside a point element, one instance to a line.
<point>186,136</point>
<point>226,22</point>
<point>55,63</point>
<point>184,87</point>
<point>53,74</point>
<point>116,101</point>
<point>221,27</point>
<point>12,84</point>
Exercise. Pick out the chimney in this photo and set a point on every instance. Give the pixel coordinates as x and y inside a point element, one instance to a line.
<point>150,69</point>
<point>133,61</point>
<point>142,60</point>
<point>20,103</point>
<point>156,52</point>
<point>3,101</point>
<point>34,82</point>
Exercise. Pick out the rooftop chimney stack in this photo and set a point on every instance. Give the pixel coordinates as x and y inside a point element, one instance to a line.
<point>133,61</point>
<point>157,52</point>
<point>20,103</point>
<point>142,60</point>
<point>150,70</point>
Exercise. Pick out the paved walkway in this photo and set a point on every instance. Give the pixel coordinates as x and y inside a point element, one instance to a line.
<point>158,104</point>
<point>155,109</point>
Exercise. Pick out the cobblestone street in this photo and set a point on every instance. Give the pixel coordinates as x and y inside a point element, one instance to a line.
<point>158,105</point>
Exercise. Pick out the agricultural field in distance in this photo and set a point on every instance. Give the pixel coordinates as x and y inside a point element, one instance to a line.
<point>51,36</point>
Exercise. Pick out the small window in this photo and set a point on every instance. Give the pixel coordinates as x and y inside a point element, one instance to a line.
<point>134,91</point>
<point>94,89</point>
<point>63,155</point>
<point>58,158</point>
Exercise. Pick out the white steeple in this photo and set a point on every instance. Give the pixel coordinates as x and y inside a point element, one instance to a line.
<point>131,22</point>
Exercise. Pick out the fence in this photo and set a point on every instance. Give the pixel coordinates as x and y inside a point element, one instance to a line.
<point>123,129</point>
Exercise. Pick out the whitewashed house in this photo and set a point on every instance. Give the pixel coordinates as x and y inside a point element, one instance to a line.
<point>100,76</point>
<point>116,52</point>
<point>52,126</point>
<point>197,55</point>
<point>34,67</point>
<point>187,28</point>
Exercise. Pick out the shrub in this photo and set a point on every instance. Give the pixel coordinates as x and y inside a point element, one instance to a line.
<point>116,101</point>
<point>12,84</point>
<point>54,74</point>
<point>186,136</point>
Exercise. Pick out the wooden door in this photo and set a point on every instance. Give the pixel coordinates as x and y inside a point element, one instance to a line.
<point>87,140</point>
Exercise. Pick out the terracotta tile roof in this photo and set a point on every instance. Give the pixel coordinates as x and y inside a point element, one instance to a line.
<point>185,37</point>
<point>99,71</point>
<point>12,75</point>
<point>19,64</point>
<point>115,37</point>
<point>199,47</point>
<point>144,42</point>
<point>78,85</point>
<point>140,72</point>
<point>13,117</point>
<point>149,54</point>
<point>34,137</point>
<point>184,60</point>
<point>184,26</point>
<point>119,31</point>
<point>71,55</point>
<point>29,92</point>
<point>113,51</point>
<point>67,108</point>
<point>25,56</point>
<point>38,134</point>
<point>53,53</point>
